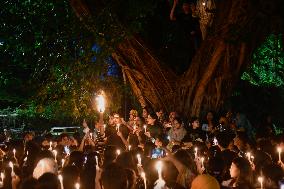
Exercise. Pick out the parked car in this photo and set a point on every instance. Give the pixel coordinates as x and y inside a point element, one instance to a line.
<point>59,130</point>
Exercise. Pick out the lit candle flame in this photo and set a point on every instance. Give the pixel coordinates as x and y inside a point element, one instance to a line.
<point>145,128</point>
<point>101,103</point>
<point>129,147</point>
<point>118,152</point>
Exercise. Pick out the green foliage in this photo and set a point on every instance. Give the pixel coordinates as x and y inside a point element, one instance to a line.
<point>48,63</point>
<point>268,64</point>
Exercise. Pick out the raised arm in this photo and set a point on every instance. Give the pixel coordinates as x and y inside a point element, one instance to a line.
<point>172,14</point>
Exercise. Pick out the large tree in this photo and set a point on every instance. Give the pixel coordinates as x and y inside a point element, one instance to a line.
<point>238,28</point>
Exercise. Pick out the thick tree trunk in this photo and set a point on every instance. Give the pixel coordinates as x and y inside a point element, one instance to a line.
<point>239,26</point>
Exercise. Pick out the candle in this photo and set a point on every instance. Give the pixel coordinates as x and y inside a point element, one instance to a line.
<point>252,158</point>
<point>55,154</point>
<point>97,161</point>
<point>2,180</point>
<point>50,146</point>
<point>202,162</point>
<point>101,103</point>
<point>139,160</point>
<point>249,156</point>
<point>118,152</point>
<point>279,153</point>
<point>91,136</point>
<point>145,128</point>
<point>12,166</point>
<point>117,126</point>
<point>61,181</point>
<point>144,179</point>
<point>14,152</point>
<point>260,180</point>
<point>62,162</point>
<point>2,177</point>
<point>195,153</point>
<point>77,186</point>
<point>159,167</point>
<point>129,147</point>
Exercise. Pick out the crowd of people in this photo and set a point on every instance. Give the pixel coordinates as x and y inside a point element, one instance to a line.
<point>151,151</point>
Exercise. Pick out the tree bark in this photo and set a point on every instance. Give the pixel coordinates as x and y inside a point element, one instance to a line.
<point>238,27</point>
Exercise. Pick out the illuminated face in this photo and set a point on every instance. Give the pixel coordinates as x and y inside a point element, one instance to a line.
<point>177,125</point>
<point>195,124</point>
<point>65,141</point>
<point>234,171</point>
<point>186,7</point>
<point>145,113</point>
<point>116,119</point>
<point>150,120</point>
<point>172,115</point>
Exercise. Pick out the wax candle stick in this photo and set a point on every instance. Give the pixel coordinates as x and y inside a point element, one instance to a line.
<point>195,152</point>
<point>144,179</point>
<point>12,166</point>
<point>129,147</point>
<point>279,150</point>
<point>61,181</point>
<point>101,103</point>
<point>62,162</point>
<point>260,180</point>
<point>145,128</point>
<point>55,155</point>
<point>139,160</point>
<point>50,146</point>
<point>14,152</point>
<point>202,162</point>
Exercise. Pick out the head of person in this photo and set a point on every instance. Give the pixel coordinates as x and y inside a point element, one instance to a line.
<point>114,177</point>
<point>48,181</point>
<point>273,174</point>
<point>241,170</point>
<point>209,116</point>
<point>160,113</point>
<point>45,165</point>
<point>151,120</point>
<point>195,122</point>
<point>28,136</point>
<point>186,6</point>
<point>177,123</point>
<point>116,119</point>
<point>224,139</point>
<point>71,175</point>
<point>205,181</point>
<point>29,183</point>
<point>241,140</point>
<point>186,159</point>
<point>76,158</point>
<point>63,139</point>
<point>126,160</point>
<point>145,112</point>
<point>133,114</point>
<point>172,116</point>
